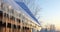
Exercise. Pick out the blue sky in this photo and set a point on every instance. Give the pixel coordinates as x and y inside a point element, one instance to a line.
<point>50,12</point>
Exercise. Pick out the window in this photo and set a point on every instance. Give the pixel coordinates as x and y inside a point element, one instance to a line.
<point>18,20</point>
<point>13,18</point>
<point>23,19</point>
<point>16,14</point>
<point>6,15</point>
<point>1,5</point>
<point>19,15</point>
<point>12,11</point>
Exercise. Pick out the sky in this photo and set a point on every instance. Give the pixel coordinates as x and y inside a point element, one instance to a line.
<point>50,12</point>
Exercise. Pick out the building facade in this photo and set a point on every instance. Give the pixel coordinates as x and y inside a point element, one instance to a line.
<point>13,18</point>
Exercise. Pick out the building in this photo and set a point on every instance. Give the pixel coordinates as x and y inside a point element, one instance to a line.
<point>16,17</point>
<point>52,28</point>
<point>48,28</point>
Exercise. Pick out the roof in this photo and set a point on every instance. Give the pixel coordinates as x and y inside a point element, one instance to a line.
<point>26,9</point>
